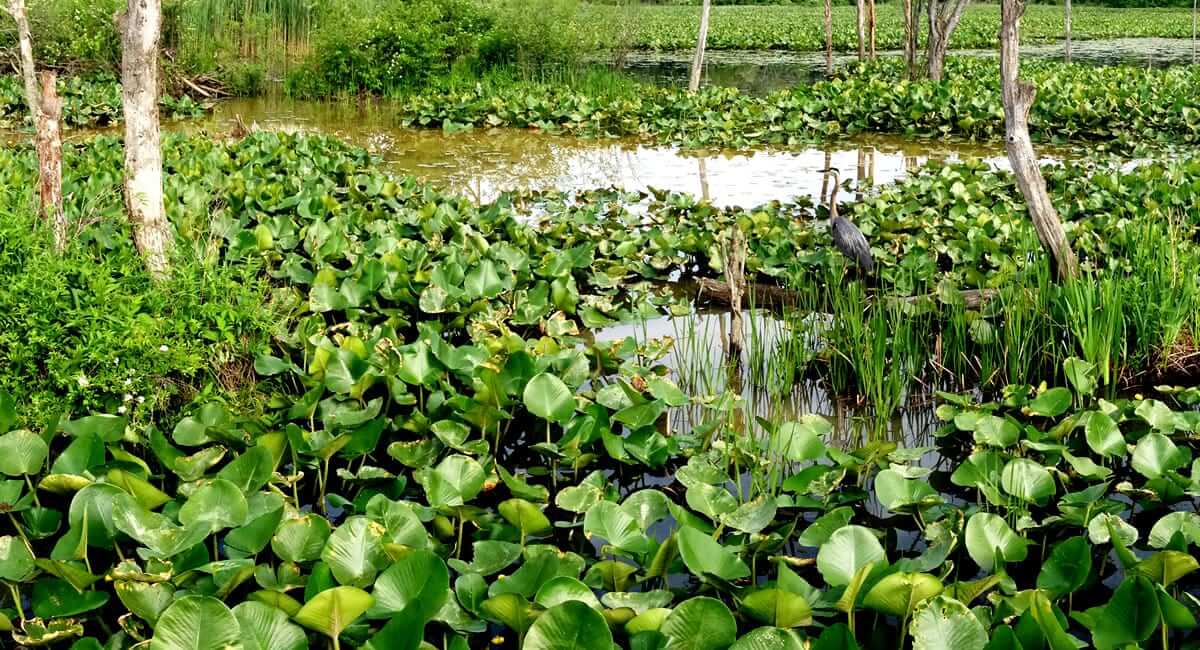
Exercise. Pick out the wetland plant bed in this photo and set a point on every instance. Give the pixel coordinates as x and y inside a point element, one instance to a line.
<point>439,454</point>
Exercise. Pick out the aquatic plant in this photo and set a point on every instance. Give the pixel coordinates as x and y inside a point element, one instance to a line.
<point>1128,106</point>
<point>444,456</point>
<point>87,102</point>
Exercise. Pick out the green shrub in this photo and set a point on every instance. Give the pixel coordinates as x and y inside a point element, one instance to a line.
<point>87,330</point>
<point>536,34</point>
<point>402,46</point>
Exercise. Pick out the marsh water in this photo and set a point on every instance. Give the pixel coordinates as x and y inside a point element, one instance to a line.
<point>763,71</point>
<point>482,163</point>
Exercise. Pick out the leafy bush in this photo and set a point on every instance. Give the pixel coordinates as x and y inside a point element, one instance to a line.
<point>87,330</point>
<point>536,34</point>
<point>402,46</point>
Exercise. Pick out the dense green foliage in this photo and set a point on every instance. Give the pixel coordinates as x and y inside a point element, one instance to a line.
<point>446,455</point>
<point>87,102</point>
<point>800,28</point>
<point>1121,104</point>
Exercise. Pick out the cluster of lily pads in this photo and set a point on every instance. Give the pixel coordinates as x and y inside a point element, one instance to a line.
<point>87,102</point>
<point>800,27</point>
<point>1122,104</point>
<point>448,458</point>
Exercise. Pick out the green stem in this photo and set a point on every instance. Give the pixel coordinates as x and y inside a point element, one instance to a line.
<point>16,596</point>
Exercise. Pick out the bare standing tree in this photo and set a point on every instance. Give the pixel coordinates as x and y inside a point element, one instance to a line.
<point>701,43</point>
<point>1195,5</point>
<point>910,39</point>
<point>1018,99</point>
<point>860,11</point>
<point>944,16</point>
<point>1067,26</point>
<point>45,109</point>
<point>140,26</point>
<point>871,26</point>
<point>829,37</point>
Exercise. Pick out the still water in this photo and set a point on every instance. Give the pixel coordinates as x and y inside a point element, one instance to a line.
<point>483,163</point>
<point>764,71</point>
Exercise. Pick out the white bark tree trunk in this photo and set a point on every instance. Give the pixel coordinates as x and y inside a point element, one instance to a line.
<point>140,26</point>
<point>49,151</point>
<point>16,8</point>
<point>45,110</point>
<point>944,16</point>
<point>829,38</point>
<point>1018,99</point>
<point>1067,20</point>
<point>860,15</point>
<point>1195,6</point>
<point>701,44</point>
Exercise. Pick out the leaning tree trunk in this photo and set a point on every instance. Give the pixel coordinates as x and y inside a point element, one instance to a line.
<point>944,16</point>
<point>49,152</point>
<point>1018,99</point>
<point>1067,26</point>
<point>45,111</point>
<point>140,26</point>
<point>829,38</point>
<point>701,43</point>
<point>860,17</point>
<point>871,26</point>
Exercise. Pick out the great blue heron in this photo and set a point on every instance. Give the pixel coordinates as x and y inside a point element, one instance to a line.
<point>846,236</point>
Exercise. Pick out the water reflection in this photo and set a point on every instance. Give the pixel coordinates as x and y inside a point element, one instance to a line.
<point>697,363</point>
<point>483,163</point>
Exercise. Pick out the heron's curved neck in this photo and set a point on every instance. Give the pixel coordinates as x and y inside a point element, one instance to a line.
<point>833,205</point>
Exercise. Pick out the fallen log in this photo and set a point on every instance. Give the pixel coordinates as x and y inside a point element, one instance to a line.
<point>776,298</point>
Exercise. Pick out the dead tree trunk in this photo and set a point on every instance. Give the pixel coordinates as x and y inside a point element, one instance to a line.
<point>1067,20</point>
<point>910,39</point>
<point>49,153</point>
<point>140,26</point>
<point>701,44</point>
<point>829,38</point>
<point>45,110</point>
<point>860,17</point>
<point>735,277</point>
<point>25,46</point>
<point>1018,99</point>
<point>1195,6</point>
<point>944,16</point>
<point>871,27</point>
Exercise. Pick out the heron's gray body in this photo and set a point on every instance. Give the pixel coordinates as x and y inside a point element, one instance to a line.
<point>850,240</point>
<point>846,236</point>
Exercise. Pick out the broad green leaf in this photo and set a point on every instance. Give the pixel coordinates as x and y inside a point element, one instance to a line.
<point>1067,569</point>
<point>417,581</point>
<point>547,397</point>
<point>333,610</point>
<point>700,623</point>
<point>354,552</point>
<point>778,607</point>
<point>197,623</point>
<point>705,556</point>
<point>898,594</point>
<point>990,540</point>
<point>943,623</point>
<point>267,628</point>
<point>571,625</point>
<point>22,452</point>
<point>847,550</point>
